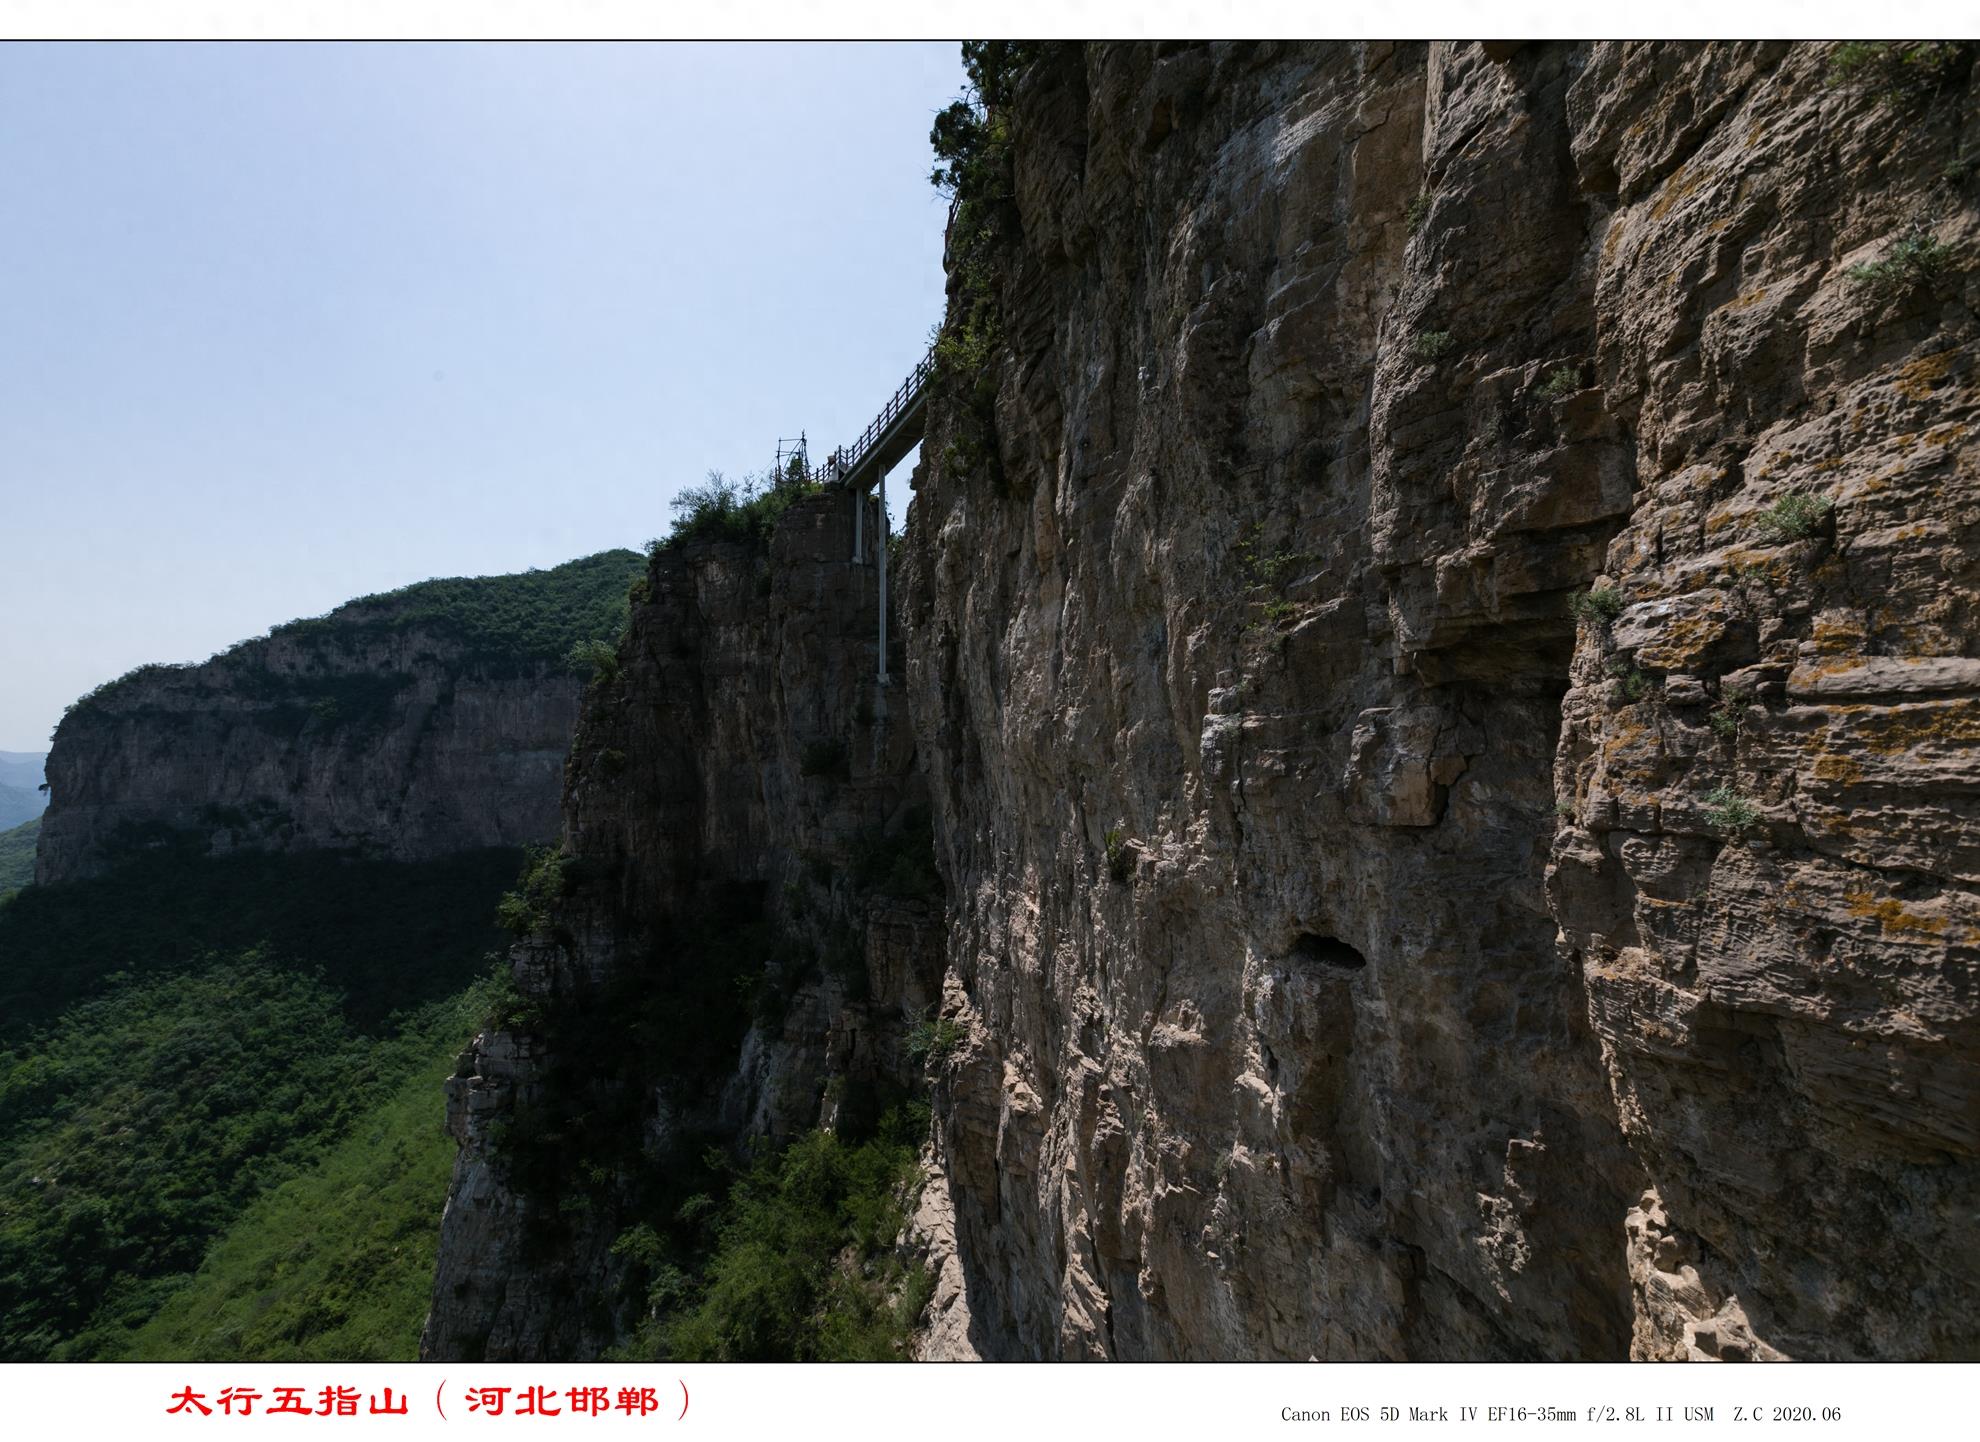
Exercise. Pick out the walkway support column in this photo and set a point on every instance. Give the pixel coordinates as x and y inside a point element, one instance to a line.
<point>880,541</point>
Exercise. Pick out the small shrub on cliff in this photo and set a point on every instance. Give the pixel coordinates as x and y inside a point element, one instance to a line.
<point>1432,345</point>
<point>932,1039</point>
<point>1563,381</point>
<point>1916,260</point>
<point>1273,613</point>
<point>1728,810</point>
<point>1899,71</point>
<point>595,660</point>
<point>1602,604</point>
<point>1727,716</point>
<point>1263,568</point>
<point>1631,682</point>
<point>1795,516</point>
<point>1418,212</point>
<point>542,882</point>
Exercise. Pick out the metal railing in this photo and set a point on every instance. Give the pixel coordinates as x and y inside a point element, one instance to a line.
<point>847,461</point>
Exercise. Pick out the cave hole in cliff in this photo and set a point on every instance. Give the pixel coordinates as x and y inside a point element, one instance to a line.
<point>1328,951</point>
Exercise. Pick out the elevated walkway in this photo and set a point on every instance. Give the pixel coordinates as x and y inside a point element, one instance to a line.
<point>863,466</point>
<point>894,432</point>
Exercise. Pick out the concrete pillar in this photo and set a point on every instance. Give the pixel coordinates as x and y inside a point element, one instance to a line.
<point>880,526</point>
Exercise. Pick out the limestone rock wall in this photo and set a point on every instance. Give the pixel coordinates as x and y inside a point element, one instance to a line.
<point>745,763</point>
<point>1366,949</point>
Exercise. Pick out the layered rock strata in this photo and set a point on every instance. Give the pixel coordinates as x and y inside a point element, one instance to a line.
<point>1447,856</point>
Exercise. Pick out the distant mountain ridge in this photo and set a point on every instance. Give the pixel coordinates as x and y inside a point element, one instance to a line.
<point>411,724</point>
<point>21,796</point>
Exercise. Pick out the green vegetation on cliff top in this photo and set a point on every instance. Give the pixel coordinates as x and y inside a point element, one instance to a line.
<point>532,616</point>
<point>720,509</point>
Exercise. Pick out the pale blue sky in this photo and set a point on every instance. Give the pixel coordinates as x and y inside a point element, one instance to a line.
<point>282,325</point>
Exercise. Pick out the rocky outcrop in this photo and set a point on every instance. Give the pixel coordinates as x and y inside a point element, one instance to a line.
<point>743,818</point>
<point>432,720</point>
<point>1447,857</point>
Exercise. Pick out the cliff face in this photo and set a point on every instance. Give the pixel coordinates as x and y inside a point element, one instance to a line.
<point>429,721</point>
<point>1439,643</point>
<point>743,818</point>
<point>1365,950</point>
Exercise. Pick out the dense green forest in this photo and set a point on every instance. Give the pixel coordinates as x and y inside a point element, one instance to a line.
<point>337,1261</point>
<point>197,1051</point>
<point>17,855</point>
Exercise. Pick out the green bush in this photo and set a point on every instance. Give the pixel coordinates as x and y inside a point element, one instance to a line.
<point>1268,569</point>
<point>1631,682</point>
<point>932,1039</point>
<point>533,614</point>
<point>1418,212</point>
<point>800,1262</point>
<point>1601,605</point>
<point>1727,717</point>
<point>337,1262</point>
<point>971,139</point>
<point>595,660</point>
<point>387,936</point>
<point>1916,260</point>
<point>1432,345</point>
<point>1562,381</point>
<point>504,625</point>
<point>185,1034</point>
<point>1728,810</point>
<point>723,510</point>
<point>1899,71</point>
<point>547,876</point>
<point>137,1132</point>
<point>1795,516</point>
